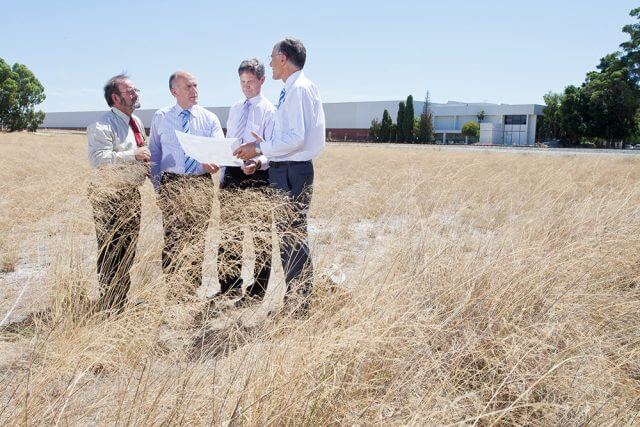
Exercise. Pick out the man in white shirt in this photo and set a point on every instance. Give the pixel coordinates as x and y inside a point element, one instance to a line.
<point>119,154</point>
<point>184,186</point>
<point>253,113</point>
<point>298,137</point>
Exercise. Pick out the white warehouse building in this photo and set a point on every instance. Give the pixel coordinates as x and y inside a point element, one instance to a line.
<point>350,121</point>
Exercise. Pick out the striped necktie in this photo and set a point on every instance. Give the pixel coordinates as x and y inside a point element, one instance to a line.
<point>190,164</point>
<point>242,124</point>
<point>281,99</point>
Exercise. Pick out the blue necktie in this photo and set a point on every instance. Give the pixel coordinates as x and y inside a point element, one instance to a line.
<point>242,124</point>
<point>281,99</point>
<point>190,164</point>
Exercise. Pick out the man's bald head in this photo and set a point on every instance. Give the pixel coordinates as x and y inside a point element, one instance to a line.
<point>184,87</point>
<point>174,76</point>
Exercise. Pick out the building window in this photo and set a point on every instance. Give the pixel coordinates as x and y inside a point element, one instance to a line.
<point>515,120</point>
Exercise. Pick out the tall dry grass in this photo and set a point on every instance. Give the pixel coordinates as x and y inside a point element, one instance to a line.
<point>481,288</point>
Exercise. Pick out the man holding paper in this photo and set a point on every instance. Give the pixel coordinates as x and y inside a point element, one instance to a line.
<point>254,113</point>
<point>184,185</point>
<point>298,137</point>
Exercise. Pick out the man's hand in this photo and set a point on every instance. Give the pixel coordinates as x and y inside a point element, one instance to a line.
<point>211,167</point>
<point>250,167</point>
<point>247,151</point>
<point>142,154</point>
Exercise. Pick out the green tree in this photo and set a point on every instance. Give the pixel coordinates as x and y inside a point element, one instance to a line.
<point>551,116</point>
<point>480,116</point>
<point>631,48</point>
<point>425,128</point>
<point>470,129</point>
<point>409,115</point>
<point>20,92</point>
<point>416,130</point>
<point>374,130</point>
<point>612,100</point>
<point>400,123</point>
<point>392,132</point>
<point>572,115</point>
<point>385,126</point>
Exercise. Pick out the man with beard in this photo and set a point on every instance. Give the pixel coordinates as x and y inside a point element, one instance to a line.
<point>119,154</point>
<point>298,137</point>
<point>184,186</point>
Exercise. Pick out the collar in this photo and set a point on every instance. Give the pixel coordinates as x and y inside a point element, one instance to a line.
<point>178,109</point>
<point>256,99</point>
<point>292,79</point>
<point>122,115</point>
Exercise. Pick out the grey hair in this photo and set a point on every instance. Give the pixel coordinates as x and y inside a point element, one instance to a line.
<point>172,79</point>
<point>111,87</point>
<point>253,66</point>
<point>294,50</point>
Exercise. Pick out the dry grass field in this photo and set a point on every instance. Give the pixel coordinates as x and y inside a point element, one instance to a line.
<point>481,288</point>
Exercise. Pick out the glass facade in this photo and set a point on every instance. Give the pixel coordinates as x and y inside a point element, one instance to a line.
<point>515,130</point>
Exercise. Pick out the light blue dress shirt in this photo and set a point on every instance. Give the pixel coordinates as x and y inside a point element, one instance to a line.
<point>166,153</point>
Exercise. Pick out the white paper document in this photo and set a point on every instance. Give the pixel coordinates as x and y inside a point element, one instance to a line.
<point>210,150</point>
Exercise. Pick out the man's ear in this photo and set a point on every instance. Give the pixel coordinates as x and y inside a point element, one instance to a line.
<point>115,98</point>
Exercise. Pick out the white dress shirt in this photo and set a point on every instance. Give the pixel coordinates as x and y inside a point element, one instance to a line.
<point>299,129</point>
<point>260,120</point>
<point>166,152</point>
<point>112,146</point>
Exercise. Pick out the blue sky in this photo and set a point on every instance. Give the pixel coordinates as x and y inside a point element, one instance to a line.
<point>491,50</point>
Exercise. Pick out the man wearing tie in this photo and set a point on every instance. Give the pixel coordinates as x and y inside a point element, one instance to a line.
<point>254,113</point>
<point>184,186</point>
<point>298,137</point>
<point>118,153</point>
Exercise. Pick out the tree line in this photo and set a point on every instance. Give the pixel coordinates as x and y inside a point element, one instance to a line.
<point>407,128</point>
<point>604,111</point>
<point>414,130</point>
<point>20,92</point>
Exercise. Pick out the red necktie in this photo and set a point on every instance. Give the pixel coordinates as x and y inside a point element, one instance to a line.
<point>136,132</point>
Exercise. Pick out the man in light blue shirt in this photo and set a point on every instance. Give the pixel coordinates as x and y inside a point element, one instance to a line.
<point>298,137</point>
<point>184,186</point>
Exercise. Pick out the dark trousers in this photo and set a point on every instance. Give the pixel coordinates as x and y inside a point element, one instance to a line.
<point>116,213</point>
<point>185,202</point>
<point>295,181</point>
<point>243,203</point>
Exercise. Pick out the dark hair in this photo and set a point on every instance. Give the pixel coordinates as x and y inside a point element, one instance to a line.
<point>253,66</point>
<point>294,50</point>
<point>111,87</point>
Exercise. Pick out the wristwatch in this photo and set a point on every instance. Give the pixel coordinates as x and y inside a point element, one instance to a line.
<point>258,150</point>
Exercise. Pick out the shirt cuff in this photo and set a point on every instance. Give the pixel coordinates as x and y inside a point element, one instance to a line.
<point>264,162</point>
<point>266,148</point>
<point>127,156</point>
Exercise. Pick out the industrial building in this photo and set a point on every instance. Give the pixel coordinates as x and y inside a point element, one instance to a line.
<point>502,124</point>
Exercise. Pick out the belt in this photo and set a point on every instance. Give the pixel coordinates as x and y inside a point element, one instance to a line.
<point>287,163</point>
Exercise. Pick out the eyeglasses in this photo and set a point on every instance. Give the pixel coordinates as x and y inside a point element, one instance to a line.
<point>131,92</point>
